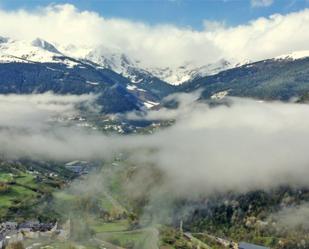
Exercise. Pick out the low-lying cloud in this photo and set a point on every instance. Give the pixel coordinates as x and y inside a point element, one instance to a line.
<point>35,110</point>
<point>295,217</point>
<point>161,45</point>
<point>239,146</point>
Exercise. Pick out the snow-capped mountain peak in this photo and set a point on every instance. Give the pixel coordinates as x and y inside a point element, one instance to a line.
<point>189,71</point>
<point>22,50</point>
<point>25,51</point>
<point>39,50</point>
<point>118,62</point>
<point>135,69</point>
<point>132,68</point>
<point>294,55</point>
<point>40,43</point>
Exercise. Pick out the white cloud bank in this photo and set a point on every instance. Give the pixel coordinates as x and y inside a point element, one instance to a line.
<point>34,111</point>
<point>246,145</point>
<point>293,217</point>
<point>161,45</point>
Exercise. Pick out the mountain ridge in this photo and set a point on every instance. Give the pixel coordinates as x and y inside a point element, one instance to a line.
<point>38,66</point>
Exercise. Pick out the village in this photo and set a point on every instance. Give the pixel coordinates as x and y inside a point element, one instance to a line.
<point>13,232</point>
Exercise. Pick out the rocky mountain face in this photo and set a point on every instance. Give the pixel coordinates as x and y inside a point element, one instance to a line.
<point>189,71</point>
<point>124,84</point>
<point>38,67</point>
<point>281,78</point>
<point>143,81</point>
<point>137,71</point>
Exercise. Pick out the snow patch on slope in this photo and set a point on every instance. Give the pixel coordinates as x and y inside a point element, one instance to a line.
<point>40,43</point>
<point>16,51</point>
<point>189,71</point>
<point>134,88</point>
<point>294,56</point>
<point>42,51</point>
<point>38,50</point>
<point>149,104</point>
<point>136,70</point>
<point>219,95</point>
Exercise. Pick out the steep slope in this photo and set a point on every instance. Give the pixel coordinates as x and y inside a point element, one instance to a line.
<point>280,78</point>
<point>125,84</point>
<point>138,72</point>
<point>39,67</point>
<point>189,71</point>
<point>37,50</point>
<point>122,64</point>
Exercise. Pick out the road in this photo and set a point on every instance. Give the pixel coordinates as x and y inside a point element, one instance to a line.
<point>198,243</point>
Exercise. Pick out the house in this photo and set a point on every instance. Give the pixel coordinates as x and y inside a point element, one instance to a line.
<point>29,225</point>
<point>9,225</point>
<point>244,245</point>
<point>78,167</point>
<point>13,232</point>
<point>115,164</point>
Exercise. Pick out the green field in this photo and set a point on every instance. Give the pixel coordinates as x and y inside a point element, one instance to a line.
<point>22,191</point>
<point>115,226</point>
<point>101,216</point>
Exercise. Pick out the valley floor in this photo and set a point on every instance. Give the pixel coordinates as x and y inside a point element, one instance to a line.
<point>97,209</point>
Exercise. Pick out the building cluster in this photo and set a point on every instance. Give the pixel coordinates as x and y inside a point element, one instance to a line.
<point>13,232</point>
<point>79,167</point>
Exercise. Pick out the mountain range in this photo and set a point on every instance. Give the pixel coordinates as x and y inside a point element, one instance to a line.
<point>126,84</point>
